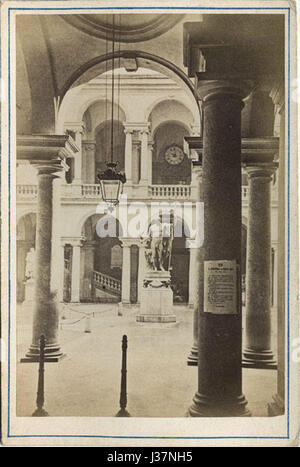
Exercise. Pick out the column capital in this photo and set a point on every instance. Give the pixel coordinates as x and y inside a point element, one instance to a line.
<point>89,145</point>
<point>193,146</point>
<point>48,151</point>
<point>50,168</point>
<point>211,89</point>
<point>128,241</point>
<point>89,244</point>
<point>73,241</point>
<point>145,130</point>
<point>254,150</point>
<point>141,127</point>
<point>195,129</point>
<point>262,170</point>
<point>76,127</point>
<point>127,129</point>
<point>259,150</point>
<point>197,169</point>
<point>136,142</point>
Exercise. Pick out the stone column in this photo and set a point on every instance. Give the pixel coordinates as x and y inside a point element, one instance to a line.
<point>150,154</point>
<point>275,275</point>
<point>79,130</point>
<point>257,352</point>
<point>126,273</point>
<point>88,267</point>
<point>144,156</point>
<point>135,162</point>
<point>75,278</point>
<point>128,154</point>
<point>277,406</point>
<point>88,162</point>
<point>60,272</point>
<point>57,228</point>
<point>195,279</point>
<point>45,318</point>
<point>220,335</point>
<point>141,271</point>
<point>48,154</point>
<point>193,286</point>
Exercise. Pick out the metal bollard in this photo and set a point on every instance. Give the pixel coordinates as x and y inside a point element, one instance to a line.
<point>123,396</point>
<point>40,412</point>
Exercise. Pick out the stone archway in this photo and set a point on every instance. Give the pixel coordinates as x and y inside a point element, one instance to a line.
<point>167,135</point>
<point>103,145</point>
<point>101,261</point>
<point>103,63</point>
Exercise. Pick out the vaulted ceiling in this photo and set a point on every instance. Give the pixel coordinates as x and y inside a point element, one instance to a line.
<point>56,52</point>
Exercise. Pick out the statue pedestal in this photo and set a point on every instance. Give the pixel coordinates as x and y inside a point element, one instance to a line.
<point>156,299</point>
<point>29,293</point>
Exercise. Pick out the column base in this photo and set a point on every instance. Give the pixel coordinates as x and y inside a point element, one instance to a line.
<point>52,354</point>
<point>204,406</point>
<point>276,407</point>
<point>40,413</point>
<point>156,319</point>
<point>122,306</point>
<point>192,359</point>
<point>123,413</point>
<point>263,359</point>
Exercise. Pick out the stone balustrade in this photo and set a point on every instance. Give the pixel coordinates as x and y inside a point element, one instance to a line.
<point>245,193</point>
<point>93,191</point>
<point>107,282</point>
<point>26,191</point>
<point>170,191</point>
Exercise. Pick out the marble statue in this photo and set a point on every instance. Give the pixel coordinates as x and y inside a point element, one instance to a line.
<point>30,264</point>
<point>158,246</point>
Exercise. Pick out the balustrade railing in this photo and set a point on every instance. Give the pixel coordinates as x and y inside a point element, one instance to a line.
<point>170,191</point>
<point>27,191</point>
<point>107,282</point>
<point>93,191</point>
<point>245,192</point>
<point>90,191</point>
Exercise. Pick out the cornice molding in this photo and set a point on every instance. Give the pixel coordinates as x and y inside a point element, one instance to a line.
<point>137,126</point>
<point>75,126</point>
<point>253,149</point>
<point>45,148</point>
<point>74,241</point>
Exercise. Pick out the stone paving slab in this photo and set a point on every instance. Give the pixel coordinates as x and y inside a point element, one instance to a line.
<point>87,381</point>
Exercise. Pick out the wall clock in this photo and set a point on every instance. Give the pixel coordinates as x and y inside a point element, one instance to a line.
<point>174,155</point>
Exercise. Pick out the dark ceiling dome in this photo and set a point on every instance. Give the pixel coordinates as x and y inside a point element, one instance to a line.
<point>128,27</point>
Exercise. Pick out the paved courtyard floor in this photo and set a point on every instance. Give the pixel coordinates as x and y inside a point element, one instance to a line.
<point>86,382</point>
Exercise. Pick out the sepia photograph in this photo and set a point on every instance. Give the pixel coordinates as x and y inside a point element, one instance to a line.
<point>149,273</point>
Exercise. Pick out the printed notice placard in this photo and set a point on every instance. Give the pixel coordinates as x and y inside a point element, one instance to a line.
<point>220,289</point>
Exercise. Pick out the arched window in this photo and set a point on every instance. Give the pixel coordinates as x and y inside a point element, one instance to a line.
<point>169,135</point>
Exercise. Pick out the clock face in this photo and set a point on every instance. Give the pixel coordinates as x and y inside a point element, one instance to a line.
<point>174,155</point>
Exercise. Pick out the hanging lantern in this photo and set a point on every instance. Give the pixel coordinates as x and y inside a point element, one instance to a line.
<point>111,183</point>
